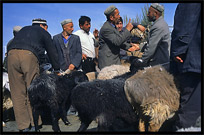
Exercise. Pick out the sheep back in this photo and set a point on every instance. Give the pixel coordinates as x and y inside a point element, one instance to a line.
<point>110,72</point>
<point>150,84</point>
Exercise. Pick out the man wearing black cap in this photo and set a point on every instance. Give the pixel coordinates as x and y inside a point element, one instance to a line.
<point>25,53</point>
<point>157,49</point>
<point>111,40</point>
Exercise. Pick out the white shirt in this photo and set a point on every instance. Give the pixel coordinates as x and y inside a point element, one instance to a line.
<point>87,43</point>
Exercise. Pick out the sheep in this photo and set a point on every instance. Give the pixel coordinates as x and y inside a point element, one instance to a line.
<point>7,102</point>
<point>105,101</point>
<point>92,75</point>
<point>154,96</point>
<point>53,91</point>
<point>110,72</point>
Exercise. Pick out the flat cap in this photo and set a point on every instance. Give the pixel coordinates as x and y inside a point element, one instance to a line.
<point>109,10</point>
<point>66,21</point>
<point>17,28</point>
<point>39,20</point>
<point>158,7</point>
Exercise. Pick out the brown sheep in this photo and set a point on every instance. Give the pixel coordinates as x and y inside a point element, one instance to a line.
<point>153,95</point>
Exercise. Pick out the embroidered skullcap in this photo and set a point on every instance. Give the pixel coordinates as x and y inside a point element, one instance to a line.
<point>17,28</point>
<point>39,20</point>
<point>66,21</point>
<point>158,7</point>
<point>109,10</point>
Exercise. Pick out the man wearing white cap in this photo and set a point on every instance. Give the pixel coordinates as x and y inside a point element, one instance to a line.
<point>25,54</point>
<point>157,50</point>
<point>110,40</point>
<point>16,29</point>
<point>68,47</point>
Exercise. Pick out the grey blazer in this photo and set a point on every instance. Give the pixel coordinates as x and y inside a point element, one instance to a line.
<point>110,41</point>
<point>75,51</point>
<point>157,51</point>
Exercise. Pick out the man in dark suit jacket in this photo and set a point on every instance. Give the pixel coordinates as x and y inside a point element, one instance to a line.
<point>68,47</point>
<point>186,62</point>
<point>111,40</point>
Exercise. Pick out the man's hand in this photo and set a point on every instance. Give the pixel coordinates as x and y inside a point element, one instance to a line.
<point>134,47</point>
<point>71,67</point>
<point>178,59</point>
<point>84,56</point>
<point>129,26</point>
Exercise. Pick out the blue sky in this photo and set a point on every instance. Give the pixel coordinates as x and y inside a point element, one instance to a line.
<point>22,14</point>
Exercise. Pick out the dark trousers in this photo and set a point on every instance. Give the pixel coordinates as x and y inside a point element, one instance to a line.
<point>88,65</point>
<point>190,100</point>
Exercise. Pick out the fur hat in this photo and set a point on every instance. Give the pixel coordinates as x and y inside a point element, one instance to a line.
<point>109,10</point>
<point>66,21</point>
<point>158,7</point>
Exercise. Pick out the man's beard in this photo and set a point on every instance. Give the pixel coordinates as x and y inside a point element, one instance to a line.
<point>152,19</point>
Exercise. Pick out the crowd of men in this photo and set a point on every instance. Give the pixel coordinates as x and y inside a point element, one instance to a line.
<point>85,51</point>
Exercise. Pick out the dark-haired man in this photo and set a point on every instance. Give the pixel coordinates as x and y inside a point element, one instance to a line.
<point>25,53</point>
<point>88,44</point>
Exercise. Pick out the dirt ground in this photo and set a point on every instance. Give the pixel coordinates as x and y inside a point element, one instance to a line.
<point>11,126</point>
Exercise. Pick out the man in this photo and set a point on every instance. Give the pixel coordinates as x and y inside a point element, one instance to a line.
<point>68,47</point>
<point>16,29</point>
<point>186,62</point>
<point>156,51</point>
<point>110,40</point>
<point>25,53</point>
<point>88,44</point>
<point>133,39</point>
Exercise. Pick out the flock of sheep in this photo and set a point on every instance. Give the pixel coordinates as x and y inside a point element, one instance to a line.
<point>118,98</point>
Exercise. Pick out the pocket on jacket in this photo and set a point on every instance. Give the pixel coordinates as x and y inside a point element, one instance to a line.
<point>184,39</point>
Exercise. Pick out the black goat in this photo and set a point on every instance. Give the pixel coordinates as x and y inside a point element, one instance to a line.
<point>104,100</point>
<point>54,92</point>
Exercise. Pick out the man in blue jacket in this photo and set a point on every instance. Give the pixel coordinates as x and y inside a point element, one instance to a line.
<point>25,53</point>
<point>186,62</point>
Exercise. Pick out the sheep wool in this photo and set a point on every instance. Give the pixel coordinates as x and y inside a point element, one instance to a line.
<point>154,96</point>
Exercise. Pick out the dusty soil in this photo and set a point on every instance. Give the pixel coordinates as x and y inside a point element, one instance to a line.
<point>11,126</point>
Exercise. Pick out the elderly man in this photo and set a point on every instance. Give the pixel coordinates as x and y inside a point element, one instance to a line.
<point>68,47</point>
<point>25,53</point>
<point>111,40</point>
<point>156,51</point>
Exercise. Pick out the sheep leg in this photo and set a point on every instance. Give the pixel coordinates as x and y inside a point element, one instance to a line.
<point>55,119</point>
<point>36,114</point>
<point>141,125</point>
<point>83,126</point>
<point>64,115</point>
<point>143,122</point>
<point>64,118</point>
<point>104,122</point>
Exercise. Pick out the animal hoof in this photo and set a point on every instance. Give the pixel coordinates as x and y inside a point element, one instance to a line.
<point>4,124</point>
<point>68,123</point>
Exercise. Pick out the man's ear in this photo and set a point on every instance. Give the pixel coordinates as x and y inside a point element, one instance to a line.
<point>80,26</point>
<point>111,17</point>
